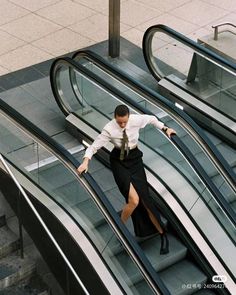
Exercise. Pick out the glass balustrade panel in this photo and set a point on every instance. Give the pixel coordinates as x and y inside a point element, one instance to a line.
<point>61,185</point>
<point>171,167</point>
<point>194,72</point>
<point>163,144</point>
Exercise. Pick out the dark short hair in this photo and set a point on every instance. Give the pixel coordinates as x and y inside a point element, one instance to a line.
<point>121,110</point>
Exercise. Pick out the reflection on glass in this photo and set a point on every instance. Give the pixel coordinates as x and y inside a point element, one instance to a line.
<point>194,72</point>
<point>96,108</point>
<point>43,168</point>
<point>161,143</point>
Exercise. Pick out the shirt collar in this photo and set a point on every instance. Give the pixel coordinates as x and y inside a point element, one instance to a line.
<point>122,129</point>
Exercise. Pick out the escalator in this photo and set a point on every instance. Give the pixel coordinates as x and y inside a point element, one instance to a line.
<point>203,83</point>
<point>88,101</point>
<point>85,224</point>
<point>190,134</point>
<point>104,256</point>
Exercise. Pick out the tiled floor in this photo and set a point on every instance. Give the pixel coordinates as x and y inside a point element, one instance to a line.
<point>32,31</point>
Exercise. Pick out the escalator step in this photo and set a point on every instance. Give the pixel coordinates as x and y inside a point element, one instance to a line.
<point>179,275</point>
<point>151,249</point>
<point>177,278</point>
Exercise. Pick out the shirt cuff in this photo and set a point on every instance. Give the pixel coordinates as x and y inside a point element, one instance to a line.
<point>88,154</point>
<point>161,125</point>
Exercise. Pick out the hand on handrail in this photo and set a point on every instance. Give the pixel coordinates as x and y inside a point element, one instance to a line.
<point>83,167</point>
<point>170,132</point>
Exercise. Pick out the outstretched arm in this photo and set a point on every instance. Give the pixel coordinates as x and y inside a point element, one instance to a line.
<point>149,119</point>
<point>102,139</point>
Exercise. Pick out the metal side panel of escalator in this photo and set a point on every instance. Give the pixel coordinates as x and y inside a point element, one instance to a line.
<point>91,111</point>
<point>203,83</point>
<point>77,212</point>
<point>201,144</point>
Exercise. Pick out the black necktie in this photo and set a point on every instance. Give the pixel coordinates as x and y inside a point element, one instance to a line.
<point>124,143</point>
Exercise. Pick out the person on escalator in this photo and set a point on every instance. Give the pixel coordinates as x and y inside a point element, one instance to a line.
<point>128,170</point>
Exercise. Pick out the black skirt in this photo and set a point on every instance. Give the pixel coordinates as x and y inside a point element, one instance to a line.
<point>128,171</point>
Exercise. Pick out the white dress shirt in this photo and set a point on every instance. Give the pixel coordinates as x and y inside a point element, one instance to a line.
<point>113,133</point>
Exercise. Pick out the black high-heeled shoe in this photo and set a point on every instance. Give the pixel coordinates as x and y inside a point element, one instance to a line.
<point>164,244</point>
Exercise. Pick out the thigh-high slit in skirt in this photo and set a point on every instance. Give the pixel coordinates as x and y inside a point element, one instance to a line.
<point>128,171</point>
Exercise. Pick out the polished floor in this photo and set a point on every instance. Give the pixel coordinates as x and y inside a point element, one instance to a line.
<point>33,31</point>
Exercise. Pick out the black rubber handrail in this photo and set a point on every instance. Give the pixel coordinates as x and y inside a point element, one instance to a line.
<point>191,242</point>
<point>122,96</point>
<point>183,118</point>
<point>201,50</point>
<point>106,205</point>
<point>93,77</point>
<point>147,38</point>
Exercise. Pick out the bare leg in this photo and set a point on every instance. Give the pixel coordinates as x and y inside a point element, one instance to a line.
<point>164,240</point>
<point>154,220</point>
<point>133,201</point>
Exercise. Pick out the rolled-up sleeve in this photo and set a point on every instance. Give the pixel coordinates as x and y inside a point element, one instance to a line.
<point>149,119</point>
<point>101,140</point>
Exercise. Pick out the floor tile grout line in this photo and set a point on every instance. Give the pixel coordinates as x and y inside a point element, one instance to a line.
<point>33,11</point>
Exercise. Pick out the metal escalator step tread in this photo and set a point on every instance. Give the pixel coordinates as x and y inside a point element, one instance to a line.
<point>177,276</point>
<point>151,249</point>
<point>8,241</point>
<point>176,281</point>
